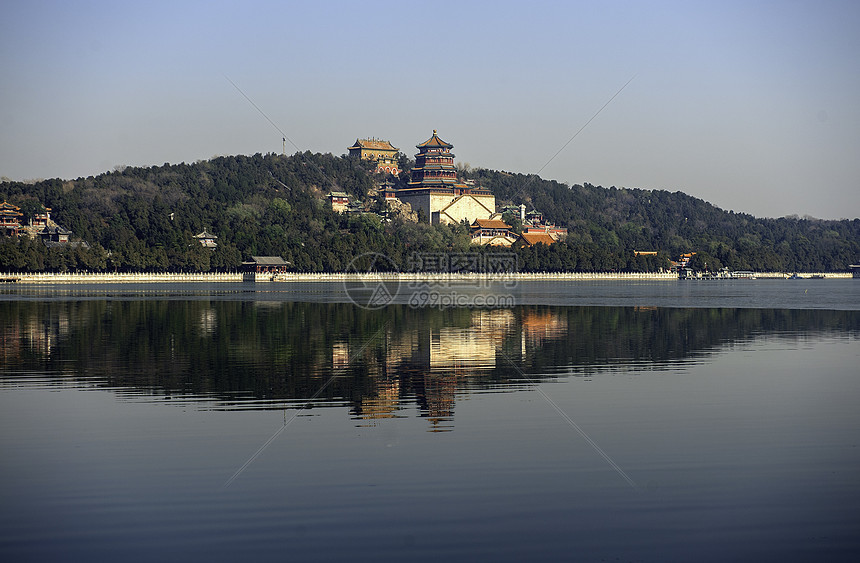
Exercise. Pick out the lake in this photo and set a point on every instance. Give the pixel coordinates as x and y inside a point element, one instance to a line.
<point>591,421</point>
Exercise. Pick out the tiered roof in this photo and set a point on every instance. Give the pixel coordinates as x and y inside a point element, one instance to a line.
<point>10,209</point>
<point>434,142</point>
<point>440,171</point>
<point>10,218</point>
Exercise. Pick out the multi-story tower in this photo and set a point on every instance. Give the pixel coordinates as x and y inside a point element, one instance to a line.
<point>435,192</point>
<point>10,219</point>
<point>434,164</point>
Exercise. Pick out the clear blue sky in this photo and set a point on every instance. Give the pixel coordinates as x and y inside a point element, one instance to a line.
<point>753,106</point>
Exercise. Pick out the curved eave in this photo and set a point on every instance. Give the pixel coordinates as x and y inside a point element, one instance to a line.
<point>434,142</point>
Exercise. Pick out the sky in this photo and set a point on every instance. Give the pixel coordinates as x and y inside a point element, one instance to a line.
<point>753,106</point>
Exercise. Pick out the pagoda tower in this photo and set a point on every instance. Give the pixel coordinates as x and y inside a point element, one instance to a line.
<point>434,191</point>
<point>10,219</point>
<point>434,165</point>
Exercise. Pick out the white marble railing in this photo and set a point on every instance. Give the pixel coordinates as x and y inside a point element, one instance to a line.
<point>420,276</point>
<point>121,277</point>
<point>323,277</point>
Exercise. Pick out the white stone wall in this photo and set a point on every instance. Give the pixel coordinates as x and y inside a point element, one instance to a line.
<point>439,202</point>
<point>418,202</point>
<point>123,278</point>
<point>447,209</point>
<point>468,207</point>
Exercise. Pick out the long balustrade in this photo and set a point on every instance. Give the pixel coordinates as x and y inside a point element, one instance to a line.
<point>144,277</point>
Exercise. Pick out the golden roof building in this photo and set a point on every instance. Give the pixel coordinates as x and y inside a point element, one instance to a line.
<point>10,219</point>
<point>493,232</point>
<point>383,152</point>
<point>531,239</point>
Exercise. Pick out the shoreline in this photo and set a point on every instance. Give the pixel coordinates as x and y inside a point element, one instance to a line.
<point>119,278</point>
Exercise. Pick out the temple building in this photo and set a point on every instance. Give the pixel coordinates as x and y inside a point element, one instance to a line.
<point>435,191</point>
<point>264,268</point>
<point>556,232</point>
<point>41,218</point>
<point>383,152</point>
<point>531,239</point>
<point>533,223</point>
<point>207,239</point>
<point>339,201</point>
<point>53,236</point>
<point>10,219</point>
<point>492,232</point>
<point>56,236</point>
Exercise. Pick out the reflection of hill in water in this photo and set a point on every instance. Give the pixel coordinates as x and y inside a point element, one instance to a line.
<point>243,355</point>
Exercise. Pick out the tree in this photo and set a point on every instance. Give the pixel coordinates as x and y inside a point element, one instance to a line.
<point>513,220</point>
<point>226,258</point>
<point>704,262</point>
<point>30,208</point>
<point>11,257</point>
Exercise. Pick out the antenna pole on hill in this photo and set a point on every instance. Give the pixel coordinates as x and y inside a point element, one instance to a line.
<point>284,150</point>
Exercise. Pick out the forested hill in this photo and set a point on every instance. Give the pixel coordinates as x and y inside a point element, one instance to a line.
<point>676,223</point>
<point>144,219</point>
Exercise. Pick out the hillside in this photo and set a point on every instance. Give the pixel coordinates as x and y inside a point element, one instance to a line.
<point>675,223</point>
<point>145,219</point>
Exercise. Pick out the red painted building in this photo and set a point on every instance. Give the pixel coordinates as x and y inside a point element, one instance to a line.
<point>10,219</point>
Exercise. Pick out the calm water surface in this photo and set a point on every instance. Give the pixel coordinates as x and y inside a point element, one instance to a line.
<point>653,421</point>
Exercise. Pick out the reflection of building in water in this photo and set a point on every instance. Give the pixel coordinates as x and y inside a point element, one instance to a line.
<point>268,305</point>
<point>435,360</point>
<point>41,334</point>
<point>38,334</point>
<point>452,349</point>
<point>497,321</point>
<point>10,343</point>
<point>384,404</point>
<point>384,399</point>
<point>340,355</point>
<point>404,347</point>
<point>208,321</point>
<point>431,363</point>
<point>540,325</point>
<point>464,350</point>
<point>437,399</point>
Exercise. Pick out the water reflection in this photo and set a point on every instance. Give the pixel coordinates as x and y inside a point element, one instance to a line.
<point>272,355</point>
